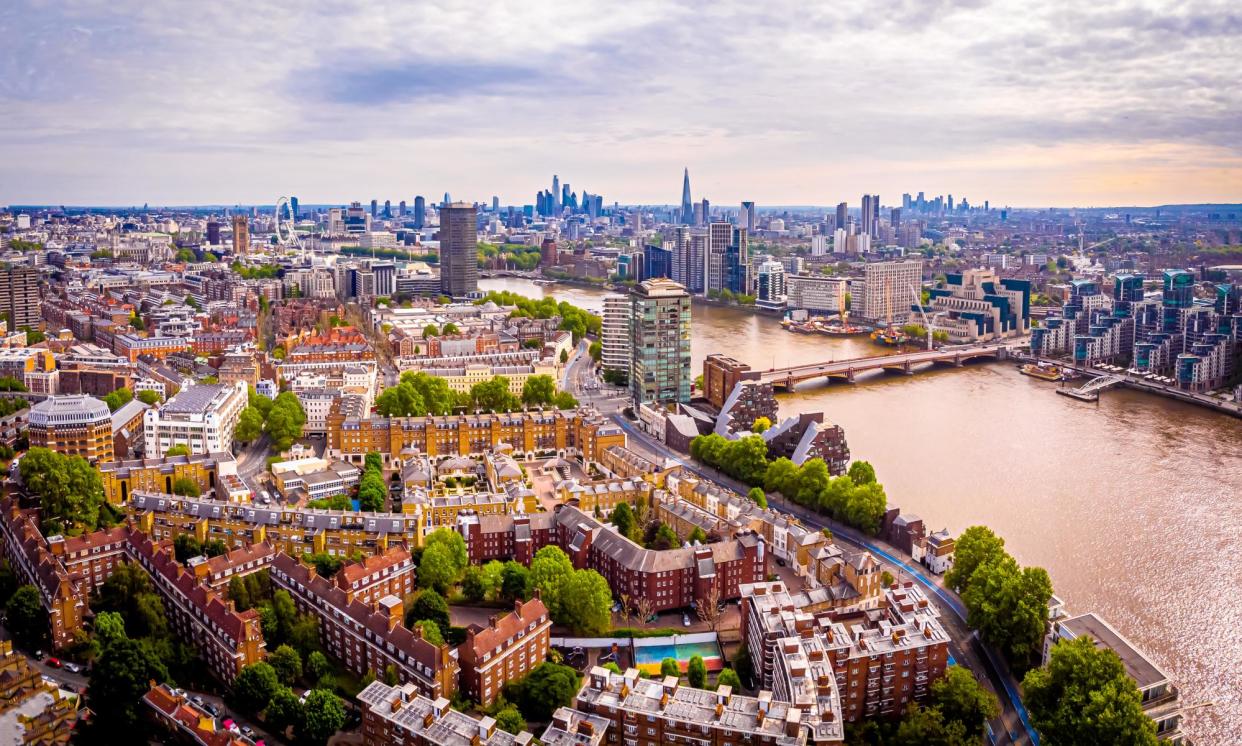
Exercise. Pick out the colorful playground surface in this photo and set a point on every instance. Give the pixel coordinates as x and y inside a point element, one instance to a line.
<point>647,657</point>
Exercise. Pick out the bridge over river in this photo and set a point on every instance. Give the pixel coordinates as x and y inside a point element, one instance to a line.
<point>905,362</point>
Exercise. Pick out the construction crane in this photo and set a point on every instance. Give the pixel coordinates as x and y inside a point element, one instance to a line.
<point>918,301</point>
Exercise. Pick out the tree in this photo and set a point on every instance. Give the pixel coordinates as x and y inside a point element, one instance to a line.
<point>429,606</point>
<point>431,330</point>
<point>25,617</point>
<point>249,425</point>
<point>260,402</point>
<point>285,421</point>
<point>109,626</point>
<point>697,535</point>
<point>812,479</point>
<point>644,609</point>
<point>119,677</point>
<point>186,487</point>
<point>287,663</point>
<point>861,472</point>
<point>665,537</point>
<point>325,564</point>
<point>1084,695</point>
<point>454,543</point>
<point>623,519</point>
<point>547,687</point>
<point>728,677</point>
<point>781,477</point>
<point>317,666</point>
<point>474,584</point>
<point>961,699</point>
<point>696,672</point>
<point>928,727</point>
<point>514,582</point>
<point>186,546</point>
<point>323,715</point>
<point>758,497</point>
<point>492,395</point>
<point>761,425</point>
<point>1009,607</point>
<point>670,667</point>
<point>284,710</point>
<point>373,460</point>
<point>742,664</point>
<point>436,569</point>
<point>538,390</point>
<point>549,570</point>
<point>450,329</point>
<point>430,631</point>
<point>70,491</point>
<point>976,545</point>
<point>238,593</point>
<point>708,607</point>
<point>510,720</point>
<point>586,602</point>
<point>254,686</point>
<point>179,449</point>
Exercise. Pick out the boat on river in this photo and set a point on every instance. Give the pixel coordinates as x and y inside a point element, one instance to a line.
<point>1042,371</point>
<point>890,336</point>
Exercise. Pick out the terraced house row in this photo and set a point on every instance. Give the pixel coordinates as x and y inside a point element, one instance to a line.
<point>67,570</point>
<point>582,431</point>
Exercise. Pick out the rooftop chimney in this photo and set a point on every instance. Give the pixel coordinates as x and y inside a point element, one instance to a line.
<point>391,606</point>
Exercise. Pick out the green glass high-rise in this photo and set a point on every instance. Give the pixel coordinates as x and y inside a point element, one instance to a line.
<point>660,342</point>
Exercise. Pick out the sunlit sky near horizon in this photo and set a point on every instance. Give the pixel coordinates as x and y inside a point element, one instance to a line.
<point>1026,104</point>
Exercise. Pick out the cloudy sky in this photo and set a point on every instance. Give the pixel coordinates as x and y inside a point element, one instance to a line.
<point>1050,103</point>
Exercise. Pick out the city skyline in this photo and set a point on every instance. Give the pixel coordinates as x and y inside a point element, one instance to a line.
<point>1115,105</point>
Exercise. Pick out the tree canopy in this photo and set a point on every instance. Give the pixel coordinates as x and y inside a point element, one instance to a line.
<point>547,687</point>
<point>1084,695</point>
<point>70,491</point>
<point>1007,603</point>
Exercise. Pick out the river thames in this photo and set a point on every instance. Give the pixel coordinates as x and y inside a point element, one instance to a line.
<point>1133,505</point>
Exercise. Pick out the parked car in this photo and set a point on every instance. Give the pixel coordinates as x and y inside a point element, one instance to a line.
<point>73,668</point>
<point>197,699</point>
<point>685,620</point>
<point>247,731</point>
<point>54,662</point>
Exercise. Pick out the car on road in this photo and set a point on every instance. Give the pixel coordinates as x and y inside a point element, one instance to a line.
<point>212,709</point>
<point>247,731</point>
<point>197,699</point>
<point>54,662</point>
<point>73,668</point>
<point>685,620</point>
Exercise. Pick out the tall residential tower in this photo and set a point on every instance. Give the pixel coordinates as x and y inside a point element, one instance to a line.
<point>459,260</point>
<point>660,342</point>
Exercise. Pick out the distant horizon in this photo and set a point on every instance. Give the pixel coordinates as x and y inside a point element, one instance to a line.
<point>608,205</point>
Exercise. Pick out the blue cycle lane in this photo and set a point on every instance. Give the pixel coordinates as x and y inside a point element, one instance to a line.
<point>949,599</point>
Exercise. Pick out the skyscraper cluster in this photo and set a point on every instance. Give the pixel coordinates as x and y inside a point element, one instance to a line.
<point>554,202</point>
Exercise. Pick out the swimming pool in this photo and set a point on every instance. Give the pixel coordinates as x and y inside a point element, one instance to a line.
<point>648,657</point>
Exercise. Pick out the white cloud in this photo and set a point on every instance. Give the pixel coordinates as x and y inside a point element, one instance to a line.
<point>794,103</point>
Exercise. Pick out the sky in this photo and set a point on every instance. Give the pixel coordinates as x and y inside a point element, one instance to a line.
<point>1055,103</point>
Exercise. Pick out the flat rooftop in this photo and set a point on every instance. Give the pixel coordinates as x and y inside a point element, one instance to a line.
<point>193,399</point>
<point>1143,671</point>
